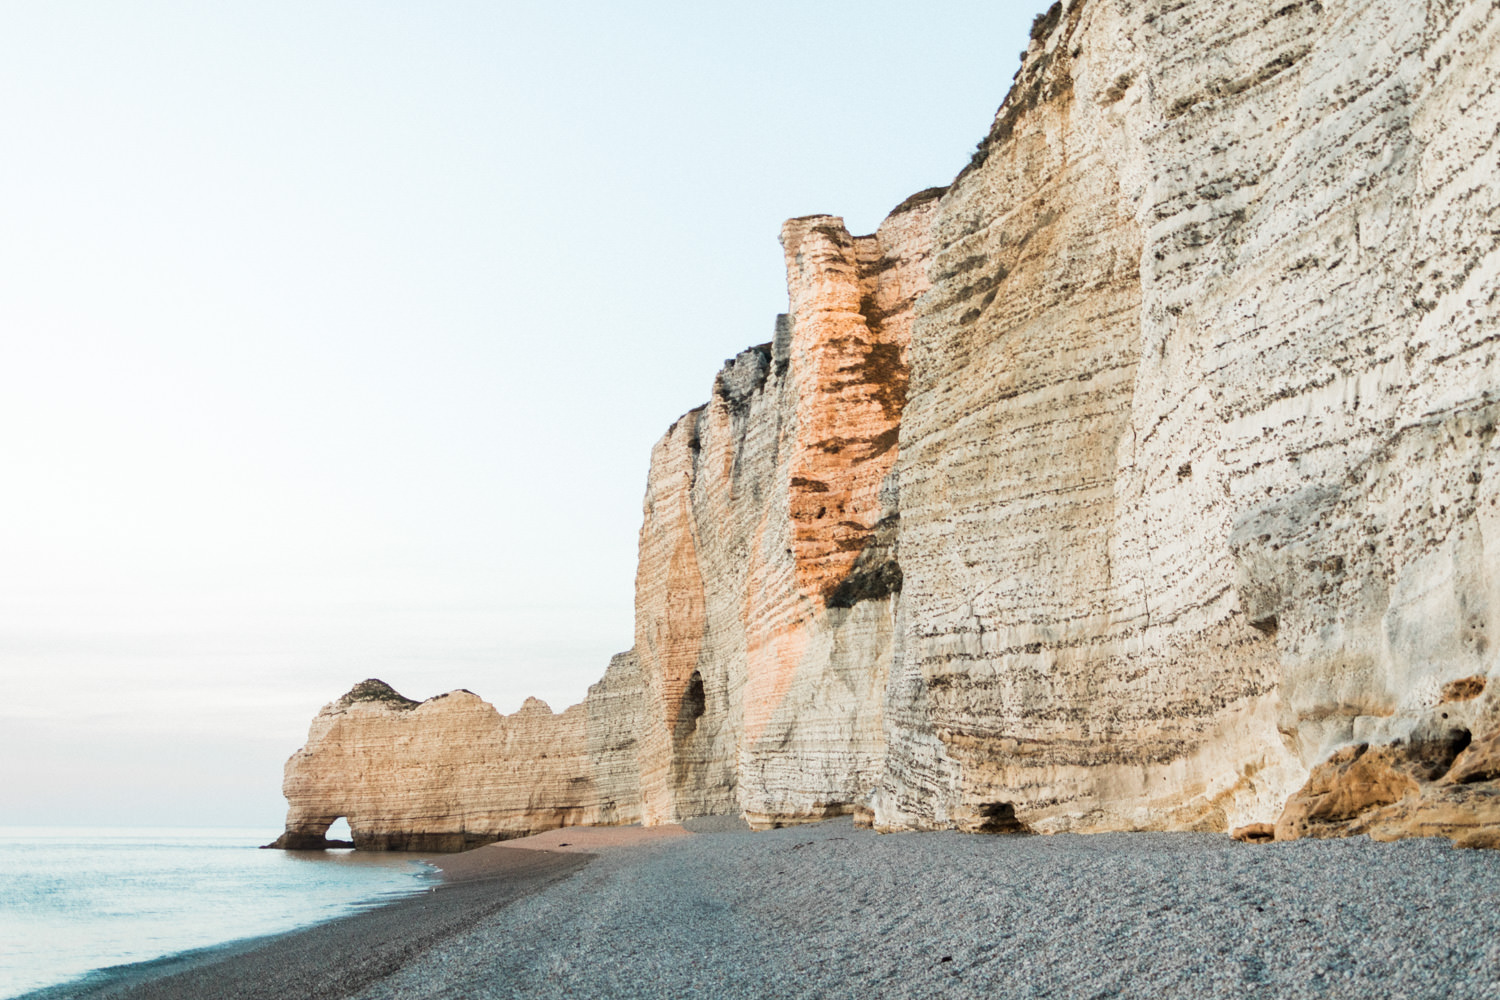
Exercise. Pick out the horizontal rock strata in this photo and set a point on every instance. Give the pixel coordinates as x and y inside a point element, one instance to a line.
<point>451,773</point>
<point>1143,478</point>
<point>764,617</point>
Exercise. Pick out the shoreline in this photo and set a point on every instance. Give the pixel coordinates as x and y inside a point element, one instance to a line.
<point>831,910</point>
<point>339,957</point>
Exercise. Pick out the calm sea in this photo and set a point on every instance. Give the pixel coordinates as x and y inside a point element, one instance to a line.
<point>75,900</point>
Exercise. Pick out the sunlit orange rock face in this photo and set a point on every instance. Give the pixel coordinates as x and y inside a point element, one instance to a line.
<point>851,300</point>
<point>764,584</point>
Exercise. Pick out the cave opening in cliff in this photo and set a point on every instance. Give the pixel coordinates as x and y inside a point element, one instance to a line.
<point>1438,751</point>
<point>694,703</point>
<point>1000,817</point>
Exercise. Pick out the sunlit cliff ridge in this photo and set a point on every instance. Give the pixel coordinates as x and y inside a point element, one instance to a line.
<point>1145,478</point>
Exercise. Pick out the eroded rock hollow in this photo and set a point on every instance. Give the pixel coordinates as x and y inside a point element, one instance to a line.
<point>1143,478</point>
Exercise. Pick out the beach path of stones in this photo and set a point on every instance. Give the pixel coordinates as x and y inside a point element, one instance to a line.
<point>829,911</point>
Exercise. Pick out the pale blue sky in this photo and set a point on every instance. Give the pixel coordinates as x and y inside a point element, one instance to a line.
<point>337,335</point>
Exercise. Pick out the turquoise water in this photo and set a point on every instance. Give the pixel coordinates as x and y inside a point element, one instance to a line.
<point>75,900</point>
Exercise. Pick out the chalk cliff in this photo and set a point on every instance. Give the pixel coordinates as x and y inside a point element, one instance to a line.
<point>1143,478</point>
<point>451,773</point>
<point>764,595</point>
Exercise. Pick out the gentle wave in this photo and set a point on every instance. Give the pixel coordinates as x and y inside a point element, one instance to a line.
<point>76,900</point>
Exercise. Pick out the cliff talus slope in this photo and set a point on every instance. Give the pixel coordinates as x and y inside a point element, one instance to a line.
<point>1144,478</point>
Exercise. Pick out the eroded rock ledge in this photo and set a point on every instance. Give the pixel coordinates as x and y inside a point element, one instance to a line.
<point>1143,478</point>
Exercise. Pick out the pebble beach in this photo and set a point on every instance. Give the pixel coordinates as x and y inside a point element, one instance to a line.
<point>831,911</point>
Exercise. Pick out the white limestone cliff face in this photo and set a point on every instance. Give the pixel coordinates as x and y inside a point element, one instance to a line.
<point>1144,478</point>
<point>452,773</point>
<point>1209,347</point>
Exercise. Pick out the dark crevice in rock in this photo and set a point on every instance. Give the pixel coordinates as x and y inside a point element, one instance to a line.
<point>691,709</point>
<point>1269,624</point>
<point>1229,88</point>
<point>885,372</point>
<point>876,572</point>
<point>1434,755</point>
<point>836,235</point>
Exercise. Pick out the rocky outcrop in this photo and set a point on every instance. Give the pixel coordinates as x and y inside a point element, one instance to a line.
<point>1143,478</point>
<point>452,773</point>
<point>1434,782</point>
